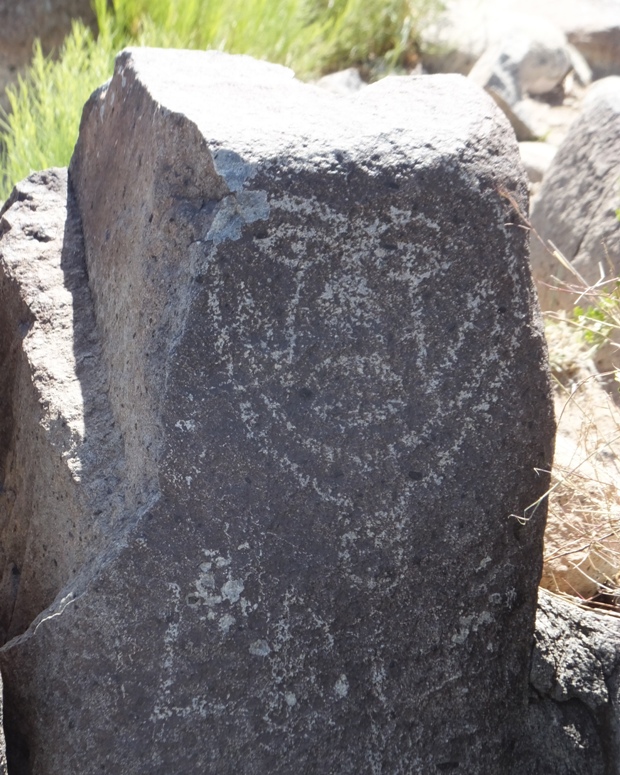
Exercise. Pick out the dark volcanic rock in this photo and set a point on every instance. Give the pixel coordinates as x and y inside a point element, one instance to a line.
<point>327,378</point>
<point>573,722</point>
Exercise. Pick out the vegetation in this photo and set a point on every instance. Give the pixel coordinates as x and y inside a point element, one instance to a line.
<point>582,542</point>
<point>599,320</point>
<point>45,107</point>
<point>311,36</point>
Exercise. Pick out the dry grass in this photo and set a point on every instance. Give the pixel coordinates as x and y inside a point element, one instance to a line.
<point>582,540</point>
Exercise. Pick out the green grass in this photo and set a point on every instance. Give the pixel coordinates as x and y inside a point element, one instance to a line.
<point>46,106</point>
<point>311,36</point>
<point>596,311</point>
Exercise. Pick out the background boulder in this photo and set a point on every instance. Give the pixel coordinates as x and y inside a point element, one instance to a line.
<point>577,203</point>
<point>466,28</point>
<point>530,59</point>
<point>318,400</point>
<point>536,158</point>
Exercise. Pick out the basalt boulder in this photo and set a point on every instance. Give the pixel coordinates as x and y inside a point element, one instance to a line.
<point>275,406</point>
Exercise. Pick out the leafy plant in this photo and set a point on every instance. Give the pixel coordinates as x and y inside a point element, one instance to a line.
<point>594,322</point>
<point>596,311</point>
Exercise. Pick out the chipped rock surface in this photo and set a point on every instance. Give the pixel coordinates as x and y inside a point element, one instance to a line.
<point>576,205</point>
<point>50,360</point>
<point>315,398</point>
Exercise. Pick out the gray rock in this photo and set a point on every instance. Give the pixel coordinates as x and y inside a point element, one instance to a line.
<point>561,739</point>
<point>604,90</point>
<point>43,383</point>
<point>536,158</point>
<point>574,724</point>
<point>21,23</point>
<point>581,69</point>
<point>49,360</point>
<point>593,27</point>
<point>311,402</point>
<point>466,28</point>
<point>531,119</point>
<point>577,203</point>
<point>453,40</point>
<point>532,59</point>
<point>534,55</point>
<point>342,82</point>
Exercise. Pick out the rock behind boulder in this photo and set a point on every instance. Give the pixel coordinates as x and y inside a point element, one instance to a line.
<point>576,207</point>
<point>326,379</point>
<point>466,28</point>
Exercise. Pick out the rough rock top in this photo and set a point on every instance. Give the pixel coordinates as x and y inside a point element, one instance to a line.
<point>291,118</point>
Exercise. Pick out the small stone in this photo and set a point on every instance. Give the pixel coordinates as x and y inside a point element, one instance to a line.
<point>342,82</point>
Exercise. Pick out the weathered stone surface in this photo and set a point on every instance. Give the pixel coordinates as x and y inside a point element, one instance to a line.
<point>21,22</point>
<point>577,203</point>
<point>325,396</point>
<point>50,361</point>
<point>574,721</point>
<point>59,450</point>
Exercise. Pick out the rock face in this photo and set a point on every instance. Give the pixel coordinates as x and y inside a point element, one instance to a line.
<point>577,203</point>
<point>574,724</point>
<point>306,392</point>
<point>22,22</point>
